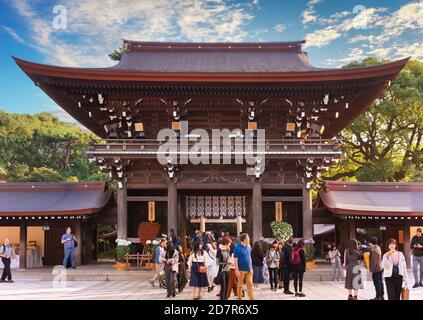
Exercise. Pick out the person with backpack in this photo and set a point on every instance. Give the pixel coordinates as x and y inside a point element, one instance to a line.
<point>298,266</point>
<point>286,265</point>
<point>7,254</point>
<point>223,259</point>
<point>272,261</point>
<point>69,245</point>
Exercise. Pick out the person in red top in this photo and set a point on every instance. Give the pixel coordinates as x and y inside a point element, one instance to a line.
<point>298,267</point>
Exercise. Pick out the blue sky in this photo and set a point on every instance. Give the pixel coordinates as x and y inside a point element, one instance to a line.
<point>337,32</point>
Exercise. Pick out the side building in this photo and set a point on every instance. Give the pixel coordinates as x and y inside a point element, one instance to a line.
<point>362,209</point>
<point>34,216</point>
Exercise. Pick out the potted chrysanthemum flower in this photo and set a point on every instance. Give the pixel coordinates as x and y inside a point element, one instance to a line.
<point>122,249</point>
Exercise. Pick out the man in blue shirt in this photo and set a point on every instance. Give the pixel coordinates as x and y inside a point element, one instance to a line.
<point>160,250</point>
<point>68,241</point>
<point>244,266</point>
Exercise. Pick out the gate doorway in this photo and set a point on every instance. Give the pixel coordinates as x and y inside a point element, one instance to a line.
<point>233,226</point>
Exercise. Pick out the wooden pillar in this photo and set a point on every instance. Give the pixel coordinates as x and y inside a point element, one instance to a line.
<point>122,214</point>
<point>257,217</point>
<point>238,225</point>
<point>78,250</point>
<point>202,224</point>
<point>22,245</point>
<point>88,248</point>
<point>172,206</point>
<point>307,214</point>
<point>407,242</point>
<point>182,225</point>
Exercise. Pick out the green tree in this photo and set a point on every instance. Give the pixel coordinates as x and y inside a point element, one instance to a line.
<point>42,148</point>
<point>385,142</point>
<point>117,54</point>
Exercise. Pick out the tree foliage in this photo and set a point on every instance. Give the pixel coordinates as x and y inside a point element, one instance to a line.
<point>385,142</point>
<point>41,148</point>
<point>117,54</point>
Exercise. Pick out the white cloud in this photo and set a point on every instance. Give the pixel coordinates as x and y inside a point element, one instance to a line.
<point>279,27</point>
<point>61,114</point>
<point>13,34</point>
<point>381,53</point>
<point>312,2</point>
<point>355,54</point>
<point>341,14</point>
<point>359,38</point>
<point>97,27</point>
<point>366,19</point>
<point>322,37</point>
<point>410,17</point>
<point>398,51</point>
<point>308,15</point>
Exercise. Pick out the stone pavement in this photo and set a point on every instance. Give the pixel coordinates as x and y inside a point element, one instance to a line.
<point>29,288</point>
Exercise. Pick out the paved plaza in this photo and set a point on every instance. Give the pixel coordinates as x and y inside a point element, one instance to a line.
<point>31,287</point>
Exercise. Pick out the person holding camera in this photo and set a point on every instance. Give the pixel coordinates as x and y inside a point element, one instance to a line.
<point>69,244</point>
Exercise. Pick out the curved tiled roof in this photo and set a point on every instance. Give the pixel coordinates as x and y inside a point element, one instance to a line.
<point>373,198</point>
<point>45,198</point>
<point>214,57</point>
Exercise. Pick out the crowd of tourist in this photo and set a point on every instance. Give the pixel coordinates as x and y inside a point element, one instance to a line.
<point>238,267</point>
<point>232,264</point>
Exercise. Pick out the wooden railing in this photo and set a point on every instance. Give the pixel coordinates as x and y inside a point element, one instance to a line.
<point>272,148</point>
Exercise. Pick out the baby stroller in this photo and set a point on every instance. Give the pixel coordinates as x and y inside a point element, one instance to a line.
<point>163,283</point>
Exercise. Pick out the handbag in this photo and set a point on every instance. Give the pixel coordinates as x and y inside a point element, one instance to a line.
<point>202,269</point>
<point>216,280</point>
<point>405,294</point>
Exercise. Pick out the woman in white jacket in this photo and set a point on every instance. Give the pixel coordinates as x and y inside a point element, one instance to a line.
<point>212,267</point>
<point>170,259</point>
<point>394,271</point>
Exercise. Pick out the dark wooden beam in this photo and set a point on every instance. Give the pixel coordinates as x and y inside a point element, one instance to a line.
<point>407,241</point>
<point>122,211</point>
<point>22,245</point>
<point>172,206</point>
<point>307,214</point>
<point>257,218</point>
<point>78,250</point>
<point>282,198</point>
<point>146,198</point>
